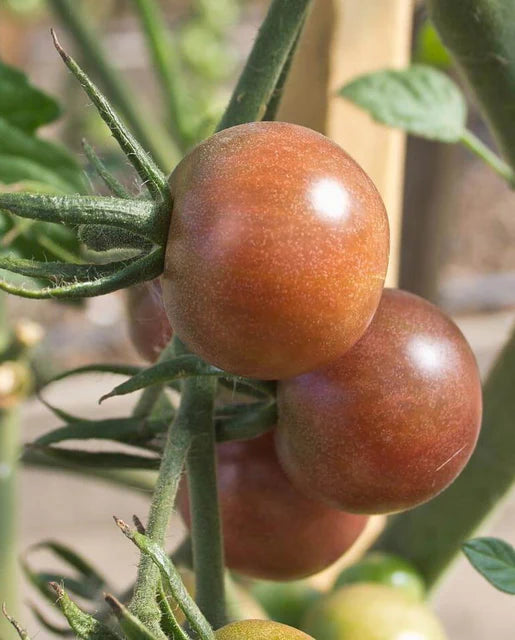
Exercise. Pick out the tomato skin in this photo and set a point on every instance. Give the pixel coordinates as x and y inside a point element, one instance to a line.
<point>277,250</point>
<point>285,602</point>
<point>271,530</point>
<point>259,630</point>
<point>149,328</point>
<point>387,569</point>
<point>392,422</point>
<point>371,611</point>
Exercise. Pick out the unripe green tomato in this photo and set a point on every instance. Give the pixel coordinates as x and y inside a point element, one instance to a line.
<point>285,602</point>
<point>259,630</point>
<point>385,568</point>
<point>371,611</point>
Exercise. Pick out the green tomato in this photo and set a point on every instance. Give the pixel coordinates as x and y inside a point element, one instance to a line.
<point>372,611</point>
<point>259,630</point>
<point>387,569</point>
<point>285,602</point>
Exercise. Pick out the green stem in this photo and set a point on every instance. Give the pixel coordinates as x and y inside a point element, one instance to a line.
<point>480,34</point>
<point>431,535</point>
<point>164,56</point>
<point>265,63</point>
<point>9,453</point>
<point>206,529</point>
<point>195,411</point>
<point>146,129</point>
<point>474,144</point>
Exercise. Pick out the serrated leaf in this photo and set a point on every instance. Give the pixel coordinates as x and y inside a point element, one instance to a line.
<point>494,559</point>
<point>22,105</point>
<point>420,100</point>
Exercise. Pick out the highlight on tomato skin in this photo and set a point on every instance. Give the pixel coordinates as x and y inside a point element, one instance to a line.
<point>260,630</point>
<point>149,328</point>
<point>271,530</point>
<point>392,422</point>
<point>277,250</point>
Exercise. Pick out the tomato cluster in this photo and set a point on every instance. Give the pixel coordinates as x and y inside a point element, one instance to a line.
<point>275,267</point>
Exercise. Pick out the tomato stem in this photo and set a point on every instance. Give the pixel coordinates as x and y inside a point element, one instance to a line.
<point>206,529</point>
<point>9,453</point>
<point>266,61</point>
<point>477,147</point>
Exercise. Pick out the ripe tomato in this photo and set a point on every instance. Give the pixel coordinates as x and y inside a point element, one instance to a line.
<point>259,630</point>
<point>271,530</point>
<point>392,422</point>
<point>385,568</point>
<point>371,611</point>
<point>149,327</point>
<point>277,250</point>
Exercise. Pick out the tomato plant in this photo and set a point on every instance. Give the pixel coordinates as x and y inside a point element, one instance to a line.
<point>271,530</point>
<point>271,245</point>
<point>392,422</point>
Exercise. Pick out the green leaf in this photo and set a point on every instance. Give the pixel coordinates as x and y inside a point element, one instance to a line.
<point>420,100</point>
<point>22,105</point>
<point>494,559</point>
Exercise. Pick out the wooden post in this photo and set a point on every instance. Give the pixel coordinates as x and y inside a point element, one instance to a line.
<point>363,36</point>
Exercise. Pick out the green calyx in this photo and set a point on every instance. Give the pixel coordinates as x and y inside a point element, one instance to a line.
<point>127,234</point>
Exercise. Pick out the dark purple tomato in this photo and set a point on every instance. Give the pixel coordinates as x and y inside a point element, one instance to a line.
<point>277,250</point>
<point>271,530</point>
<point>392,422</point>
<point>149,328</point>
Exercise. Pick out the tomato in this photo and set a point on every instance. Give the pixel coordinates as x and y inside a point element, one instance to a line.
<point>271,530</point>
<point>372,612</point>
<point>149,328</point>
<point>385,568</point>
<point>259,630</point>
<point>391,423</point>
<point>285,602</point>
<point>277,250</point>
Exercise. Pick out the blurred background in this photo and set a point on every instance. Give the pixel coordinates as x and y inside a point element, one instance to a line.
<point>452,219</point>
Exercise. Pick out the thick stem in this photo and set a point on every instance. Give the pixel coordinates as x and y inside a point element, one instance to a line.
<point>144,603</point>
<point>9,453</point>
<point>477,147</point>
<point>481,36</point>
<point>265,63</point>
<point>145,129</point>
<point>206,530</point>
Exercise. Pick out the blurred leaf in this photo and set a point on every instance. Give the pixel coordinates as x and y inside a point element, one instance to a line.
<point>65,632</point>
<point>108,460</point>
<point>494,559</point>
<point>22,105</point>
<point>429,48</point>
<point>420,100</point>
<point>25,157</point>
<point>136,431</point>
